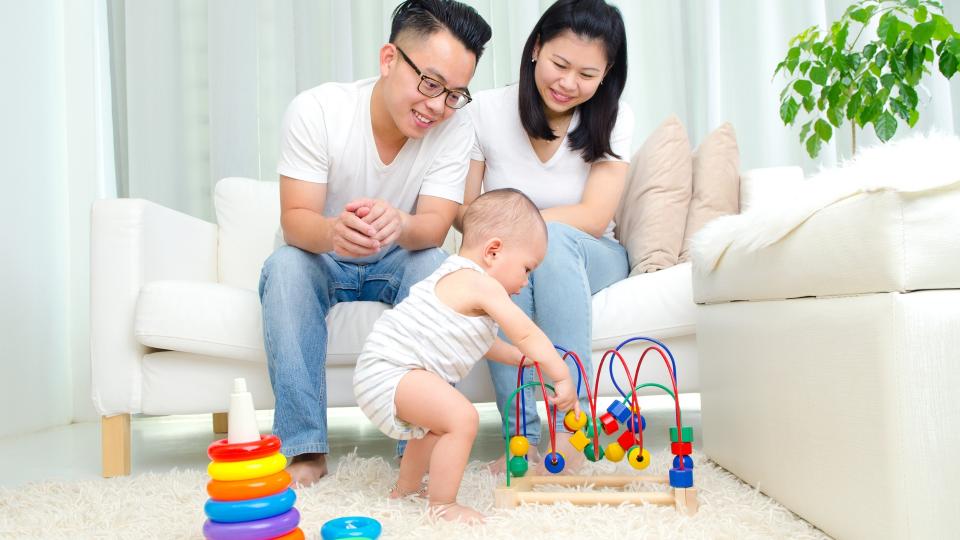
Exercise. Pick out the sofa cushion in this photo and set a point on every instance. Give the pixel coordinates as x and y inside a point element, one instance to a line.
<point>224,321</point>
<point>248,215</point>
<point>886,222</point>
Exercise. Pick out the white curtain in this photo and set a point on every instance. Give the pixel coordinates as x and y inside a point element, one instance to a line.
<point>200,86</point>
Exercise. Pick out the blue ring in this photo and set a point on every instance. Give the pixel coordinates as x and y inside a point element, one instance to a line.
<point>250,509</point>
<point>351,527</point>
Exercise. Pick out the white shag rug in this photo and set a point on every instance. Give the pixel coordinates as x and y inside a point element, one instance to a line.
<point>171,506</point>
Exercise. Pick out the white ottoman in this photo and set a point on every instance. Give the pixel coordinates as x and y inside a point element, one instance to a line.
<point>828,332</point>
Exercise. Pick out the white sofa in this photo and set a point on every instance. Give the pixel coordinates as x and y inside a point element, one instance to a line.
<point>176,315</point>
<point>829,328</point>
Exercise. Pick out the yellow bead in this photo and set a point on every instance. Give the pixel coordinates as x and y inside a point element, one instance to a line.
<point>579,440</point>
<point>614,452</point>
<point>519,445</point>
<point>639,458</point>
<point>573,422</point>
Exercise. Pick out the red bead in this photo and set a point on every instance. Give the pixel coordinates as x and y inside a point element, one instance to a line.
<point>627,440</point>
<point>681,448</point>
<point>609,423</point>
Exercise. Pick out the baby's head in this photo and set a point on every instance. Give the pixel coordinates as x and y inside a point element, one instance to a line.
<point>504,232</point>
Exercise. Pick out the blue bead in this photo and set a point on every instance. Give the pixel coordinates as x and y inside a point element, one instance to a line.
<point>619,411</point>
<point>687,462</point>
<point>681,479</point>
<point>553,462</point>
<point>632,424</point>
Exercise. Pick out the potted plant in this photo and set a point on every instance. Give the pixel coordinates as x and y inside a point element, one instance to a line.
<point>843,75</point>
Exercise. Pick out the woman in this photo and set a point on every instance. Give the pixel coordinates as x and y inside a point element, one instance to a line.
<point>568,150</point>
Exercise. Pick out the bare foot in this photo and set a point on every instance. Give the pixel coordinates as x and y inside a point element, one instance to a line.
<point>573,458</point>
<point>306,469</point>
<point>499,465</point>
<point>456,512</point>
<point>397,493</point>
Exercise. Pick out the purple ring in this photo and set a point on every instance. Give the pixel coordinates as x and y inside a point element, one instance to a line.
<point>270,527</point>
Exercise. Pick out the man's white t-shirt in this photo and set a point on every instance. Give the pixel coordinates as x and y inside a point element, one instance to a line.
<point>510,160</point>
<point>327,137</point>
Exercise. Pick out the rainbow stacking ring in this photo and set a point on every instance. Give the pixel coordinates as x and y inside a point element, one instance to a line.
<point>271,527</point>
<point>354,527</point>
<point>245,470</point>
<point>253,488</point>
<point>250,509</point>
<point>223,451</point>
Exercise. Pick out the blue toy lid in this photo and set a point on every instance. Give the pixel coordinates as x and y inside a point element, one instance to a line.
<point>351,527</point>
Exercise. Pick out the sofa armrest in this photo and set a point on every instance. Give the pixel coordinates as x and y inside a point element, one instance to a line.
<point>759,187</point>
<point>133,242</point>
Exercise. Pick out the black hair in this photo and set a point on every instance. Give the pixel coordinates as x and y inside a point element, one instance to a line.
<point>501,212</point>
<point>588,19</point>
<point>426,17</point>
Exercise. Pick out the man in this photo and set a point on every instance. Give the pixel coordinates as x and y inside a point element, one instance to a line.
<point>371,176</point>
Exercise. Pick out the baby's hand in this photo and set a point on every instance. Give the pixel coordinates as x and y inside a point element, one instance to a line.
<point>566,397</point>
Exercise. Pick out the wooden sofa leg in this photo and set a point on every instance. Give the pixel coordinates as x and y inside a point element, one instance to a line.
<point>220,422</point>
<point>115,445</point>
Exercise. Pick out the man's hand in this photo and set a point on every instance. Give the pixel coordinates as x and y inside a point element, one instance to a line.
<point>387,221</point>
<point>352,236</point>
<point>566,397</point>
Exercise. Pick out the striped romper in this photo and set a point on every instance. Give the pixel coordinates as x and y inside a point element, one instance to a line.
<point>421,332</point>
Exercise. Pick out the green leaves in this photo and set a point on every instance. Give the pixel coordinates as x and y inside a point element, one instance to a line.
<point>845,74</point>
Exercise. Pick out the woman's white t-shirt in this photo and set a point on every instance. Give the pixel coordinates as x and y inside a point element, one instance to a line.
<point>510,160</point>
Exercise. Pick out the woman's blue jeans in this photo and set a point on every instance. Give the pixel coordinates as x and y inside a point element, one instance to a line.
<point>297,290</point>
<point>558,299</point>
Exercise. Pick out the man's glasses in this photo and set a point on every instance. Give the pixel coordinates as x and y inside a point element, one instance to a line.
<point>432,88</point>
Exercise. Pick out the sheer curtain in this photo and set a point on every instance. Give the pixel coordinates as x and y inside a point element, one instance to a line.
<point>200,85</point>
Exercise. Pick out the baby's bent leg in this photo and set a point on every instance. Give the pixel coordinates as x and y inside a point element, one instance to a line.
<point>426,400</point>
<point>416,459</point>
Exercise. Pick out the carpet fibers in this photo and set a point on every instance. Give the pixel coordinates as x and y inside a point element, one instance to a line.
<point>170,505</point>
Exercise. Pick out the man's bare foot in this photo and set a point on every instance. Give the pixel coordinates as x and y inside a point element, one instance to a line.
<point>499,466</point>
<point>573,459</point>
<point>306,469</point>
<point>456,512</point>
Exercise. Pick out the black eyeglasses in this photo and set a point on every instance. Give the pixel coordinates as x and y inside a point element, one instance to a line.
<point>432,88</point>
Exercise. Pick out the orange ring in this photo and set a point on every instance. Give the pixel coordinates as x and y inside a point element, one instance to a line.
<point>254,488</point>
<point>295,534</point>
<point>223,451</point>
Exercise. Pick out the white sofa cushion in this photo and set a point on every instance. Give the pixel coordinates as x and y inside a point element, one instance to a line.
<point>248,212</point>
<point>885,222</point>
<point>218,320</point>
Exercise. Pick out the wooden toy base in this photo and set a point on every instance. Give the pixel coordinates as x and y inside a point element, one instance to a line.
<point>521,491</point>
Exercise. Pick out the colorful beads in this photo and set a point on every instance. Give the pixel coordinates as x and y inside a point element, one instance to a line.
<point>572,422</point>
<point>518,466</point>
<point>554,462</point>
<point>638,458</point>
<point>615,452</point>
<point>591,455</point>
<point>686,432</point>
<point>519,445</point>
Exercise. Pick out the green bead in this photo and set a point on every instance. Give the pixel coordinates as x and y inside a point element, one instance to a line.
<point>589,430</point>
<point>518,466</point>
<point>588,451</point>
<point>686,431</point>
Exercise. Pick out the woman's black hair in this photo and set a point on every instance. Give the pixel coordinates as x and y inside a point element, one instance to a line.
<point>589,19</point>
<point>424,17</point>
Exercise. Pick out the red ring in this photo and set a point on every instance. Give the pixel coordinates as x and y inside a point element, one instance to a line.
<point>223,451</point>
<point>254,488</point>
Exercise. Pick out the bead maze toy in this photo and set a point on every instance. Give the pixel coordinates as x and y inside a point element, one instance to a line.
<point>585,437</point>
<point>250,494</point>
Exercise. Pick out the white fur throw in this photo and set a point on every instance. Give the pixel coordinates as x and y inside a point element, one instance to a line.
<point>920,163</point>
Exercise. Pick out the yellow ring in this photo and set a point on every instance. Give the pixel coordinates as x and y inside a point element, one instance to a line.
<point>245,470</point>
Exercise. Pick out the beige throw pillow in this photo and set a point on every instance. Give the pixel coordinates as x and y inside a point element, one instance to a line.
<point>716,182</point>
<point>653,212</point>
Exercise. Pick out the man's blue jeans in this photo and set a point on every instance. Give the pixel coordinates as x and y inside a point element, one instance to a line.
<point>297,290</point>
<point>558,299</point>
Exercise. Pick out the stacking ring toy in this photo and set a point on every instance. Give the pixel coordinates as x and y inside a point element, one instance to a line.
<point>251,509</point>
<point>351,527</point>
<point>253,488</point>
<point>296,534</point>
<point>223,451</point>
<point>245,470</point>
<point>271,527</point>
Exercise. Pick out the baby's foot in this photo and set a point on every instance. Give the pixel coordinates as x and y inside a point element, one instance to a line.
<point>456,512</point>
<point>397,493</point>
<point>306,469</point>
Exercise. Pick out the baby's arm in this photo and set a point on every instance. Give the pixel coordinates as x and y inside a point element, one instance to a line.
<point>490,297</point>
<point>504,353</point>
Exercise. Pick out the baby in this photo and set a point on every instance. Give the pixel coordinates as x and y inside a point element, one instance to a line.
<point>431,339</point>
